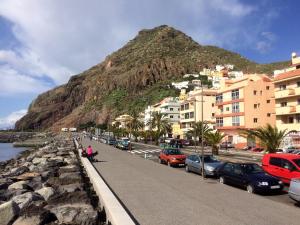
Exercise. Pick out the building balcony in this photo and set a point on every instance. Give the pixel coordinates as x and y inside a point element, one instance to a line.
<point>289,126</point>
<point>285,93</point>
<point>287,110</point>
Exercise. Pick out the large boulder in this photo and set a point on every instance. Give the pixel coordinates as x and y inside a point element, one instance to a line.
<point>76,214</point>
<point>4,183</point>
<point>46,192</point>
<point>8,212</point>
<point>25,199</point>
<point>18,171</point>
<point>19,185</point>
<point>68,169</point>
<point>71,187</point>
<point>37,161</point>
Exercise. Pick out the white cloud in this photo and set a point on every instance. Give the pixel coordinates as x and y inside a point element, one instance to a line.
<point>10,120</point>
<point>14,83</point>
<point>62,38</point>
<point>265,44</point>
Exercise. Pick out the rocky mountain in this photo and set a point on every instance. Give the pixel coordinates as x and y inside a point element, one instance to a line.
<point>131,78</point>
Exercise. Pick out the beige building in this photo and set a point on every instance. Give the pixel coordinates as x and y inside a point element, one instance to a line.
<point>191,109</point>
<point>244,103</point>
<point>287,97</point>
<point>122,120</point>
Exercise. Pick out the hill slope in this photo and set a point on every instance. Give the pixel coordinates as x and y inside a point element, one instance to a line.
<point>132,77</point>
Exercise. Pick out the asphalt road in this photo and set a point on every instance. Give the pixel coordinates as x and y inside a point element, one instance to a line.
<point>157,194</point>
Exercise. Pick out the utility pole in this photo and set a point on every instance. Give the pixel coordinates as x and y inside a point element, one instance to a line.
<point>195,135</point>
<point>202,135</point>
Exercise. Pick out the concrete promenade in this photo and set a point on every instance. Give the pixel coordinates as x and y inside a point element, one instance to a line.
<point>157,194</point>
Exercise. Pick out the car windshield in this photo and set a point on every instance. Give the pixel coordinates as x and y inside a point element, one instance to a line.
<point>297,161</point>
<point>251,168</point>
<point>174,152</point>
<point>210,159</point>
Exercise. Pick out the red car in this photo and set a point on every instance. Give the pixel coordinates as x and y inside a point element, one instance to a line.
<point>283,166</point>
<point>172,157</point>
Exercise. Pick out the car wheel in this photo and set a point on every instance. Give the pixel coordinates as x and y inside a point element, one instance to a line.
<point>250,189</point>
<point>187,168</point>
<point>222,180</point>
<point>169,164</point>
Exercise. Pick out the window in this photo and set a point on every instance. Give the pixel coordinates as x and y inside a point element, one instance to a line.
<point>287,164</point>
<point>282,87</point>
<point>237,169</point>
<point>186,116</point>
<point>268,114</point>
<point>221,110</point>
<point>212,114</point>
<point>235,107</point>
<point>171,116</point>
<point>186,106</point>
<point>235,94</point>
<point>212,105</point>
<point>275,161</point>
<point>171,109</point>
<point>298,101</point>
<point>283,104</point>
<point>219,98</point>
<point>268,101</point>
<point>219,121</point>
<point>260,92</point>
<point>228,167</point>
<point>291,119</point>
<point>255,120</point>
<point>182,107</point>
<point>254,92</point>
<point>191,114</point>
<point>268,87</point>
<point>235,121</point>
<point>298,118</point>
<point>227,108</point>
<point>298,83</point>
<point>255,106</point>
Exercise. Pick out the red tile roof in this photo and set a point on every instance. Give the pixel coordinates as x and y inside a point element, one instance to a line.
<point>286,75</point>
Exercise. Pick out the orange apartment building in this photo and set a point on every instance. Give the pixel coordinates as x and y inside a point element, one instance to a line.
<point>247,103</point>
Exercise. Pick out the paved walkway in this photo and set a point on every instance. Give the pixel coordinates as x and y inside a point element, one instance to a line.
<point>157,194</point>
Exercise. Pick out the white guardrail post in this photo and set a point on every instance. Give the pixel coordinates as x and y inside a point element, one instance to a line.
<point>115,213</point>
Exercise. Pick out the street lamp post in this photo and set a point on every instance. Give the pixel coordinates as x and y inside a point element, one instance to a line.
<point>202,135</point>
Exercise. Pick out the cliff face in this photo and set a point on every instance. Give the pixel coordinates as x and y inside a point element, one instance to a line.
<point>132,77</point>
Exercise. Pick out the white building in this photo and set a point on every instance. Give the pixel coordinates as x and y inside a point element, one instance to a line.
<point>181,85</point>
<point>170,107</point>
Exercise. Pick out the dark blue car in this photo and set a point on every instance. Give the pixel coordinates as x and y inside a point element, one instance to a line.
<point>250,176</point>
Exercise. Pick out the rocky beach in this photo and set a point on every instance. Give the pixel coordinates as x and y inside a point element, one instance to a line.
<point>47,185</point>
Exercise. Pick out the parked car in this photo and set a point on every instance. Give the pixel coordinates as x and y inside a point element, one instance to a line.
<point>250,176</point>
<point>193,164</point>
<point>296,152</point>
<point>285,166</point>
<point>111,140</point>
<point>256,149</point>
<point>172,157</point>
<point>289,149</point>
<point>226,144</point>
<point>294,190</point>
<point>124,144</point>
<point>246,148</point>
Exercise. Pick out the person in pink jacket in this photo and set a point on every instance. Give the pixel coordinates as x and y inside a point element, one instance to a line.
<point>90,153</point>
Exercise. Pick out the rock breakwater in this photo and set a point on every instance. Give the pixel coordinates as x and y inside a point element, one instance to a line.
<point>47,186</point>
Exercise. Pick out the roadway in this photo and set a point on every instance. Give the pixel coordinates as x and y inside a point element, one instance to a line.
<point>157,194</point>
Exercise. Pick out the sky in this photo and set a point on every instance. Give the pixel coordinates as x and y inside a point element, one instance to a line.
<point>43,43</point>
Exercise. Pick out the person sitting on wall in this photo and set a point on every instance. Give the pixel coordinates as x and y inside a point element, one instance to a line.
<point>90,154</point>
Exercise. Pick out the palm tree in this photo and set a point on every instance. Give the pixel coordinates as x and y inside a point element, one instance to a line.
<point>270,137</point>
<point>197,130</point>
<point>135,124</point>
<point>161,124</point>
<point>214,139</point>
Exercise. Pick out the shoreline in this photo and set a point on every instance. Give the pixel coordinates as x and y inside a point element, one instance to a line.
<point>47,185</point>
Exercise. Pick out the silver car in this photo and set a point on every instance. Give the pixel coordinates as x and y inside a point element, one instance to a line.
<point>193,164</point>
<point>294,190</point>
